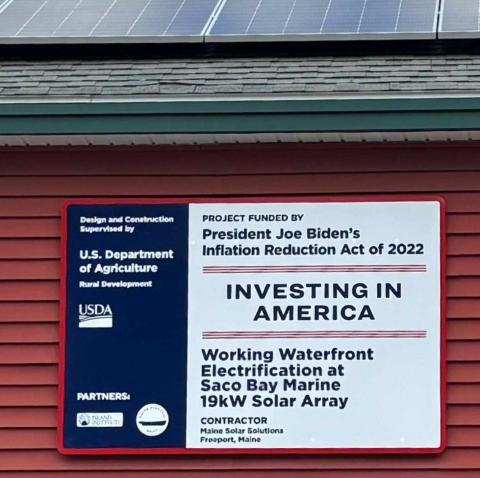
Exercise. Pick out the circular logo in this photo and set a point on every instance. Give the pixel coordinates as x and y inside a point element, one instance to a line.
<point>152,419</point>
<point>83,420</point>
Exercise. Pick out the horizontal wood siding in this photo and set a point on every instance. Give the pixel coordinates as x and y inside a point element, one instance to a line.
<point>33,185</point>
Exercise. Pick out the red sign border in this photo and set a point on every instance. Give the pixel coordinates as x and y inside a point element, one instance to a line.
<point>252,451</point>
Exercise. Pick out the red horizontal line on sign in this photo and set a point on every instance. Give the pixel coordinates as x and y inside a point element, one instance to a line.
<point>316,337</point>
<point>318,334</point>
<point>314,268</point>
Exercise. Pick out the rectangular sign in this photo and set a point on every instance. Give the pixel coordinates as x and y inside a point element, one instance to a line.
<point>281,325</point>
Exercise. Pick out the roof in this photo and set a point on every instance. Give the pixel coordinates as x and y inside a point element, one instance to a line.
<point>319,76</point>
<point>197,100</point>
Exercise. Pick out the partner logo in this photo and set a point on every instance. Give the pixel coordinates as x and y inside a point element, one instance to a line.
<point>98,316</point>
<point>99,420</point>
<point>83,420</point>
<point>152,419</point>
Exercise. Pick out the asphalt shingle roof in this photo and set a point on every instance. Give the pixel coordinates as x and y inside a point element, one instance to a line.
<point>240,76</point>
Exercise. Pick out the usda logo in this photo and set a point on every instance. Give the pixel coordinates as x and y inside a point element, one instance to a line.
<point>95,316</point>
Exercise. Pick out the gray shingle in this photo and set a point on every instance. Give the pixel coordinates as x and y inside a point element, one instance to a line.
<point>237,76</point>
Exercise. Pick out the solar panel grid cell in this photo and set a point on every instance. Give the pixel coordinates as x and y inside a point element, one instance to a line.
<point>191,18</point>
<point>235,18</point>
<point>120,18</point>
<point>270,17</point>
<point>417,16</point>
<point>307,16</point>
<point>15,15</point>
<point>379,16</point>
<point>47,18</point>
<point>155,18</point>
<point>343,16</point>
<point>83,18</point>
<point>460,16</point>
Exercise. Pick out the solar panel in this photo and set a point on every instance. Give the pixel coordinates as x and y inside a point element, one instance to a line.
<point>239,20</point>
<point>100,20</point>
<point>460,19</point>
<point>79,21</point>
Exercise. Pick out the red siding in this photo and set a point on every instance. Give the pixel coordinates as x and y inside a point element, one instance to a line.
<point>33,185</point>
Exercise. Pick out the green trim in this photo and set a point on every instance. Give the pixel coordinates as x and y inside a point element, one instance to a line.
<point>235,116</point>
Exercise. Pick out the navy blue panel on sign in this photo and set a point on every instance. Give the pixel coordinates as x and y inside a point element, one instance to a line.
<point>126,326</point>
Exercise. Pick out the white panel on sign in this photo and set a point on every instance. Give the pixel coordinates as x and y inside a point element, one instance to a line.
<point>315,325</point>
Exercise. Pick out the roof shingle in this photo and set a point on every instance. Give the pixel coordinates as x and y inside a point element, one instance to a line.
<point>296,76</point>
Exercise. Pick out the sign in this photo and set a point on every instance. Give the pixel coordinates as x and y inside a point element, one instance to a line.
<point>281,325</point>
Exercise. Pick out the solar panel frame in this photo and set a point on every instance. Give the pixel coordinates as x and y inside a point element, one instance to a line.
<point>319,37</point>
<point>456,34</point>
<point>101,40</point>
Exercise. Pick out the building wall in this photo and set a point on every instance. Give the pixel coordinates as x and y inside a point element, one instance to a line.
<point>33,185</point>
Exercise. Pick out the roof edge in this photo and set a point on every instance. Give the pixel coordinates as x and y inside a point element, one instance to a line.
<point>242,116</point>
